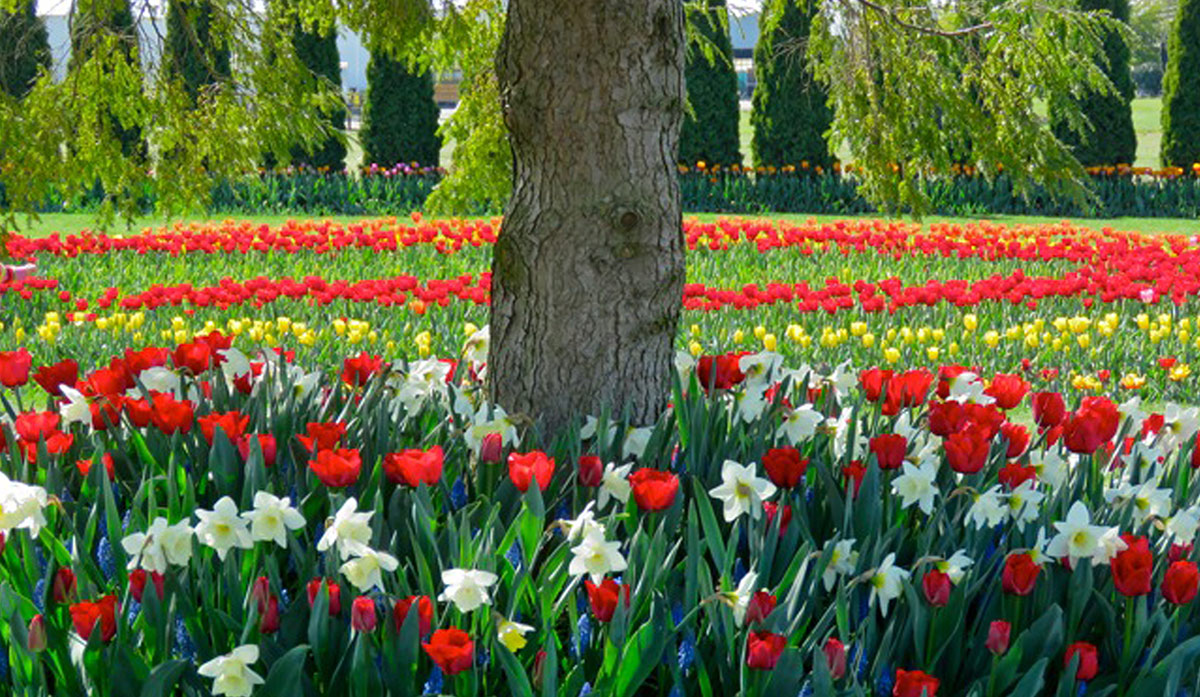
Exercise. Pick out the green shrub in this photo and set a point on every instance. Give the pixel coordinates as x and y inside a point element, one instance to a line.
<point>400,117</point>
<point>1181,89</point>
<point>24,49</point>
<point>710,129</point>
<point>189,52</point>
<point>791,114</point>
<point>1110,139</point>
<point>319,53</point>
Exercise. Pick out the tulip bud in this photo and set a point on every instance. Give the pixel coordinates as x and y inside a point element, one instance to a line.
<point>491,450</point>
<point>362,614</point>
<point>260,592</point>
<point>761,604</point>
<point>835,657</point>
<point>63,588</point>
<point>137,583</point>
<point>37,634</point>
<point>591,470</point>
<point>997,638</point>
<point>539,669</point>
<point>268,619</point>
<point>937,587</point>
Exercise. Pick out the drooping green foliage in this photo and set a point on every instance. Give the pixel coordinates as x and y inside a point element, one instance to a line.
<point>400,118</point>
<point>101,26</point>
<point>790,113</point>
<point>192,53</point>
<point>710,128</point>
<point>316,48</point>
<point>1110,139</point>
<point>1181,90</point>
<point>24,49</point>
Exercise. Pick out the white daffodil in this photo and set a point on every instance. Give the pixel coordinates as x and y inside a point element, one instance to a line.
<point>475,349</point>
<point>1050,467</point>
<point>302,383</point>
<point>1109,544</point>
<point>989,508</point>
<point>614,484</point>
<point>272,517</point>
<point>842,561</point>
<point>512,634</point>
<point>1179,425</point>
<point>159,379</point>
<point>583,525</point>
<point>1131,409</point>
<point>800,424</point>
<point>21,506</point>
<point>176,542</point>
<point>955,567</point>
<point>888,583</point>
<point>76,410</point>
<point>759,368</point>
<point>967,388</point>
<point>596,557</point>
<point>841,436</point>
<point>750,402</point>
<point>234,364</point>
<point>1077,537</point>
<point>636,440</point>
<point>843,379</point>
<point>349,531</point>
<point>467,588</point>
<point>591,429</point>
<point>145,549</point>
<point>1183,525</point>
<point>364,572</point>
<point>917,485</point>
<point>222,528</point>
<point>741,490</point>
<point>685,366</point>
<point>739,598</point>
<point>482,425</point>
<point>1152,502</point>
<point>231,673</point>
<point>426,380</point>
<point>1024,504</point>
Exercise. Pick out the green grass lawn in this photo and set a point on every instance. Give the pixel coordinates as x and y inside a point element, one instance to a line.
<point>72,223</point>
<point>1146,122</point>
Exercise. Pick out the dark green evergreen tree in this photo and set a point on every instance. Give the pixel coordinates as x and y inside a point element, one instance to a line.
<point>710,131</point>
<point>93,20</point>
<point>319,53</point>
<point>1181,89</point>
<point>191,53</point>
<point>400,117</point>
<point>24,49</point>
<point>791,114</point>
<point>1111,139</point>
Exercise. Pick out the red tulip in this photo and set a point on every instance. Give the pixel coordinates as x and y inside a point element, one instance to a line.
<point>524,468</point>
<point>491,449</point>
<point>603,597</point>
<point>835,657</point>
<point>451,649</point>
<point>14,367</point>
<point>763,650</point>
<point>914,683</point>
<point>1049,410</point>
<point>171,415</point>
<point>53,377</point>
<point>268,618</point>
<point>784,466</point>
<point>889,450</point>
<point>591,470</point>
<point>424,607</point>
<point>357,371</point>
<point>997,638</point>
<point>772,509</point>
<point>1013,475</point>
<point>1133,567</point>
<point>854,472</point>
<point>337,468</point>
<point>32,426</point>
<point>362,615</point>
<point>335,595</point>
<point>36,634</point>
<point>873,381</point>
<point>907,389</point>
<point>86,615</point>
<point>1176,552</point>
<point>194,357</point>
<point>1020,574</point>
<point>137,583</point>
<point>1017,437</point>
<point>1089,660</point>
<point>946,375</point>
<point>138,361</point>
<point>937,587</point>
<point>323,436</point>
<point>1092,425</point>
<point>266,443</point>
<point>654,490</point>
<point>414,466</point>
<point>966,451</point>
<point>760,606</point>
<point>720,372</point>
<point>139,411</point>
<point>1180,583</point>
<point>233,423</point>
<point>1007,390</point>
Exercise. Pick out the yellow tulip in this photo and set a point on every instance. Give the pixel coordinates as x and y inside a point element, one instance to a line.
<point>970,321</point>
<point>770,342</point>
<point>891,355</point>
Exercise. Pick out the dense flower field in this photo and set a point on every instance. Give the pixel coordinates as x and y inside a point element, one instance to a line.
<point>1072,310</point>
<point>209,518</point>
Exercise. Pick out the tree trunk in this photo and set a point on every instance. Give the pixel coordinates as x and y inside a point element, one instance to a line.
<point>587,274</point>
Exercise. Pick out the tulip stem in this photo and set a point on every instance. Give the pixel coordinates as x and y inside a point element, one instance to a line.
<point>1128,623</point>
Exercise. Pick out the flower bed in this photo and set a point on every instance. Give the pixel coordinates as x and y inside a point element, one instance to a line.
<point>212,520</point>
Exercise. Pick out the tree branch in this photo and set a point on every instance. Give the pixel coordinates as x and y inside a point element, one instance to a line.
<point>950,34</point>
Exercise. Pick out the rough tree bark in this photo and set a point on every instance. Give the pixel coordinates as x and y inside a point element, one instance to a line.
<point>588,270</point>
